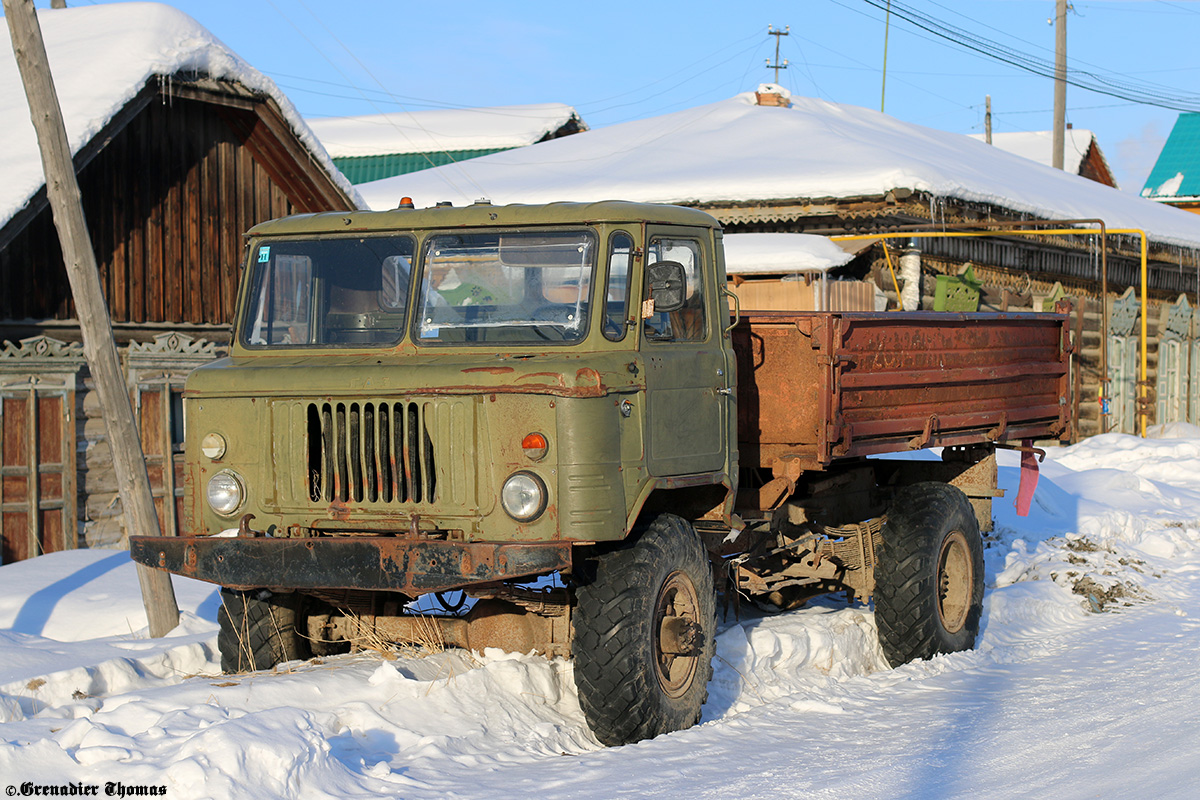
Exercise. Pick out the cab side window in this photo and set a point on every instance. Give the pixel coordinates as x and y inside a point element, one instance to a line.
<point>616,299</point>
<point>688,324</point>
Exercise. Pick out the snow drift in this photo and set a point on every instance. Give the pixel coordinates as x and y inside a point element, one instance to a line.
<point>1084,682</point>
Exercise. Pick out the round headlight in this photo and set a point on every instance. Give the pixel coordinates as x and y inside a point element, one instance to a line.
<point>523,496</point>
<point>213,445</point>
<point>225,493</point>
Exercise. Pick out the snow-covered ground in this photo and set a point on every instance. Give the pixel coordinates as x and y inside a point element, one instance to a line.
<point>1085,683</point>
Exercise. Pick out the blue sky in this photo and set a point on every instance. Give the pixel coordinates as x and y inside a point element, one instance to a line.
<point>620,60</point>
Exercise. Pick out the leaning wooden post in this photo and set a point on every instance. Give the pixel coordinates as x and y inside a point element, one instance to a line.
<point>98,346</point>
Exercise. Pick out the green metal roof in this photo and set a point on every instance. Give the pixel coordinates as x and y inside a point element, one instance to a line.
<point>363,169</point>
<point>1179,156</point>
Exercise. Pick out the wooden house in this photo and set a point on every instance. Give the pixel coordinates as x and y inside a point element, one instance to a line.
<point>176,158</point>
<point>1082,155</point>
<point>761,164</point>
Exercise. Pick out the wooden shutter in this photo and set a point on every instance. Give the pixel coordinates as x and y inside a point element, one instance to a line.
<point>37,471</point>
<point>158,409</point>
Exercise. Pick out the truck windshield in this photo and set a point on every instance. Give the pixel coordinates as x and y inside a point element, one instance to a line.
<point>321,292</point>
<point>515,288</point>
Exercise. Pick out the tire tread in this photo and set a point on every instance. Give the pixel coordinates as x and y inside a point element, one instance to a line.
<point>905,578</point>
<point>258,632</point>
<point>619,695</point>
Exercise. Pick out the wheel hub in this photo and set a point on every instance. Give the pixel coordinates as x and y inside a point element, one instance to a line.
<point>956,579</point>
<point>678,634</point>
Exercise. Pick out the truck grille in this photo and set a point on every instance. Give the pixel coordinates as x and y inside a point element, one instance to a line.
<point>375,452</point>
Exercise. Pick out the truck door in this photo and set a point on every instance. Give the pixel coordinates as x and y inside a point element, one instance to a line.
<point>685,363</point>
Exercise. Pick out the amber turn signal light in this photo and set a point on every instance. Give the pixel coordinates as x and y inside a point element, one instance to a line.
<point>535,446</point>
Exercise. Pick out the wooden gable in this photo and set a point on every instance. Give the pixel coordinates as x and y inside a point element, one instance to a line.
<point>168,188</point>
<point>1095,168</point>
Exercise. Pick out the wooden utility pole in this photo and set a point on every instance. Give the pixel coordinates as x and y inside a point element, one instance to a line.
<point>1060,83</point>
<point>62,189</point>
<point>987,121</point>
<point>777,66</point>
<point>887,26</point>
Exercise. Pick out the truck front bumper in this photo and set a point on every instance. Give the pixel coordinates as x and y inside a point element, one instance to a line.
<point>412,567</point>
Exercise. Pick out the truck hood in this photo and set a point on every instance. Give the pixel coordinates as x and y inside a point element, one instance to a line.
<point>575,375</point>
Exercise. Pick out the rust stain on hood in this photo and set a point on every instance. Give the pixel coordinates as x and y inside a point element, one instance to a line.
<point>490,370</point>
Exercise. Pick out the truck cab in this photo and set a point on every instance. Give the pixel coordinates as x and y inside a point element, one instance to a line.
<point>468,375</point>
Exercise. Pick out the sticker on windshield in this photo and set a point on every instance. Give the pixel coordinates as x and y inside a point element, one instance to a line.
<point>264,254</point>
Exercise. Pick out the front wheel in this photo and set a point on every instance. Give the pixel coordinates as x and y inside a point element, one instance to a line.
<point>644,627</point>
<point>929,574</point>
<point>259,630</point>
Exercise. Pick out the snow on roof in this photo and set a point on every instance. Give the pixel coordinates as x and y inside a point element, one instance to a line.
<point>1176,173</point>
<point>101,57</point>
<point>763,253</point>
<point>1039,146</point>
<point>736,151</point>
<point>440,129</point>
<point>1168,188</point>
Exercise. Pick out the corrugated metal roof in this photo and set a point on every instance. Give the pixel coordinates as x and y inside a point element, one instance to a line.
<point>363,169</point>
<point>1176,174</point>
<point>438,129</point>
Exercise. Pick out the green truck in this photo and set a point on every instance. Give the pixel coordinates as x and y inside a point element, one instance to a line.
<point>554,422</point>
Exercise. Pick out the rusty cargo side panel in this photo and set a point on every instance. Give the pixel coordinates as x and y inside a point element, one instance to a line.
<point>818,386</point>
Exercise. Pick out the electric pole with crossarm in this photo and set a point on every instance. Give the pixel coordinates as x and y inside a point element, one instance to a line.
<point>772,31</point>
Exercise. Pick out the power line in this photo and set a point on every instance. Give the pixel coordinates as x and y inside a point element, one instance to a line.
<point>415,120</point>
<point>393,97</point>
<point>1072,109</point>
<point>1120,88</point>
<point>865,66</point>
<point>681,70</point>
<point>688,79</point>
<point>808,70</point>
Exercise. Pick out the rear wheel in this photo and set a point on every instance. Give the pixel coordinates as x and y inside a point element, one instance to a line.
<point>644,624</point>
<point>260,629</point>
<point>929,575</point>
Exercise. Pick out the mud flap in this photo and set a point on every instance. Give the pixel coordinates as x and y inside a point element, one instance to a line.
<point>1029,477</point>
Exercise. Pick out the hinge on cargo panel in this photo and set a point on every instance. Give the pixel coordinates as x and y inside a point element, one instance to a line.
<point>998,431</point>
<point>918,442</point>
<point>842,447</point>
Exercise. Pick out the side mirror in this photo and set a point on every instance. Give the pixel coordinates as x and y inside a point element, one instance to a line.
<point>667,283</point>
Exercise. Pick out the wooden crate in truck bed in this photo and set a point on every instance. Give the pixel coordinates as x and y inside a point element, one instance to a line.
<point>814,387</point>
